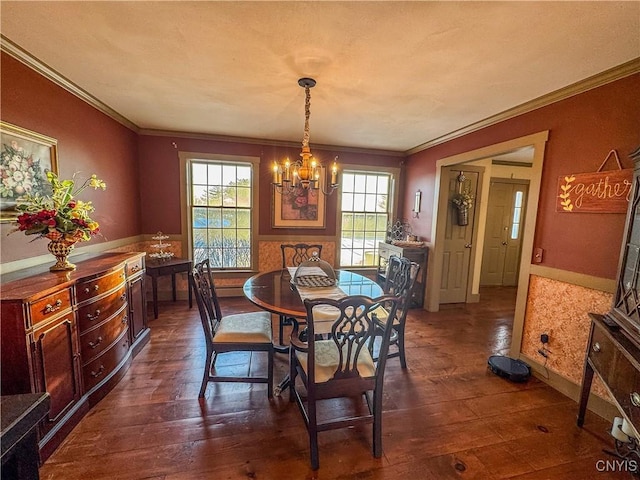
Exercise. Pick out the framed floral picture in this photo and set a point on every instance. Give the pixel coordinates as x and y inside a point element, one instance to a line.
<point>299,208</point>
<point>25,157</point>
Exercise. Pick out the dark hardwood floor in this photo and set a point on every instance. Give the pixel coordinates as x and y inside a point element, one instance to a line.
<point>446,417</point>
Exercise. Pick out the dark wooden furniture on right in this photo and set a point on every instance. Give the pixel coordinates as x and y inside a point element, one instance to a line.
<point>613,350</point>
<point>20,417</point>
<point>160,268</point>
<point>420,255</point>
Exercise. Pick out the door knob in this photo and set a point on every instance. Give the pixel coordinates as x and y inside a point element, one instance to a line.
<point>504,243</point>
<point>467,245</point>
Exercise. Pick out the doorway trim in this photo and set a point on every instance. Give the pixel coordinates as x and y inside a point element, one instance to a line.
<point>538,142</point>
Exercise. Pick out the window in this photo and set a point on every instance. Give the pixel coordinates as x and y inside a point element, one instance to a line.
<point>516,220</point>
<point>221,212</point>
<point>364,216</point>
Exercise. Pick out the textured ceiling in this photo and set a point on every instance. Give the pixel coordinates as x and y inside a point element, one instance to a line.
<point>391,75</point>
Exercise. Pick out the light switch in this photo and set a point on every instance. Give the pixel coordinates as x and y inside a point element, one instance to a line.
<point>537,255</point>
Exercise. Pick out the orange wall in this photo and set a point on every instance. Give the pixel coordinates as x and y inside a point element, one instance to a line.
<point>88,142</point>
<point>582,131</point>
<point>160,186</point>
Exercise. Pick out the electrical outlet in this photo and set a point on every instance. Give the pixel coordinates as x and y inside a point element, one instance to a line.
<point>544,338</point>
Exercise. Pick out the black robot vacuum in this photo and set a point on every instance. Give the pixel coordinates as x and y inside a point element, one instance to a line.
<point>509,368</point>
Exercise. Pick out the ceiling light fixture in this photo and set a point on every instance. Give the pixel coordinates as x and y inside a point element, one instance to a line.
<point>305,173</point>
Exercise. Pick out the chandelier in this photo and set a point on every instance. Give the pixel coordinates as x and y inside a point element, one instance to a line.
<point>306,173</point>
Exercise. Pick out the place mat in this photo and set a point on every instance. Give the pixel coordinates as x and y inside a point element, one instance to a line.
<point>313,277</point>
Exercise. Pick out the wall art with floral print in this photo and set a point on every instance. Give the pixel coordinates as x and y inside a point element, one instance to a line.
<point>25,159</point>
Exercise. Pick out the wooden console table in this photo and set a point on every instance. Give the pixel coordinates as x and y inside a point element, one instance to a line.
<point>170,266</point>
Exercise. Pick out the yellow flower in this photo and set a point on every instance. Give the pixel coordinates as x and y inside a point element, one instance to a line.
<point>95,182</point>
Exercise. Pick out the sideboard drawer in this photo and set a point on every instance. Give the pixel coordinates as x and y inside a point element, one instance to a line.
<point>99,285</point>
<point>97,370</point>
<point>97,340</point>
<point>95,313</point>
<point>50,306</point>
<point>601,352</point>
<point>625,386</point>
<point>135,266</point>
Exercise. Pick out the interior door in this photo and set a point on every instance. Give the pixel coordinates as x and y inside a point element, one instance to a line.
<point>457,243</point>
<point>503,233</point>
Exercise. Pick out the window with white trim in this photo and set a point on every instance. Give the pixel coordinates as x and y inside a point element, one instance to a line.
<point>221,212</point>
<point>364,216</point>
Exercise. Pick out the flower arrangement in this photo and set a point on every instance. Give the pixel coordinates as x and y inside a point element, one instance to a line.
<point>463,200</point>
<point>59,215</point>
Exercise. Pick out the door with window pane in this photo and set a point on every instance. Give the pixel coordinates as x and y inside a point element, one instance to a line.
<point>364,217</point>
<point>503,233</point>
<point>221,199</point>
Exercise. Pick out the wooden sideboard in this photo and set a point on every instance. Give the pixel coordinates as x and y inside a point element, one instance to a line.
<point>613,349</point>
<point>71,334</point>
<point>415,254</point>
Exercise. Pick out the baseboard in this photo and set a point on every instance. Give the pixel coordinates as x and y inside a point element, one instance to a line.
<point>596,404</point>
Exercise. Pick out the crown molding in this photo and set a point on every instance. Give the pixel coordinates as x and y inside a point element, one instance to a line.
<point>262,141</point>
<point>49,73</point>
<point>608,76</point>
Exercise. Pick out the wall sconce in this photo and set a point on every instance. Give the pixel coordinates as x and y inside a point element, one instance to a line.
<point>416,204</point>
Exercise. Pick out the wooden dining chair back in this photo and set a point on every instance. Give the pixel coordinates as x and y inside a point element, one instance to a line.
<point>242,332</point>
<point>335,362</point>
<point>400,281</point>
<point>293,254</point>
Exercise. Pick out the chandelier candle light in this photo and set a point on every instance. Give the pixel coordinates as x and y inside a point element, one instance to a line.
<point>305,173</point>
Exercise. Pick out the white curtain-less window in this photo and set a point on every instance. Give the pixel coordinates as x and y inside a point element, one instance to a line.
<point>364,216</point>
<point>221,213</point>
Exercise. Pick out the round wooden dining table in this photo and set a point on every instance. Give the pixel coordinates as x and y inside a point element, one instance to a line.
<point>273,292</point>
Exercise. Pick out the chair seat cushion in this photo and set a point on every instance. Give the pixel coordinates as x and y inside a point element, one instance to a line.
<point>253,327</point>
<point>383,315</point>
<point>327,358</point>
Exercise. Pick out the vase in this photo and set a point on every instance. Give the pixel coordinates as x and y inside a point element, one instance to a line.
<point>463,216</point>
<point>61,250</point>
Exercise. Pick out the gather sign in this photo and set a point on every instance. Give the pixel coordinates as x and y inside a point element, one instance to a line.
<point>597,192</point>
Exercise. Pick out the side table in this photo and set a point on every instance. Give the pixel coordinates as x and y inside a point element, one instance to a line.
<point>169,266</point>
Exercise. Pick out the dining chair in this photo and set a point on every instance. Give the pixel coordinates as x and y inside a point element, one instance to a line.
<point>293,254</point>
<point>242,332</point>
<point>400,281</point>
<point>332,360</point>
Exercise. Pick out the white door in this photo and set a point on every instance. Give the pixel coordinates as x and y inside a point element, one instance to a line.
<point>503,233</point>
<point>457,243</point>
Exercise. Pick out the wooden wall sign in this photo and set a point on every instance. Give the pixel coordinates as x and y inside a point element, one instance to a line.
<point>596,192</point>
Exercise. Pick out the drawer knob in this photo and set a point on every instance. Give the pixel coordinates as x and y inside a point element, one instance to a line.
<point>123,297</point>
<point>98,372</point>
<point>635,399</point>
<point>95,289</point>
<point>135,268</point>
<point>125,319</point>
<point>93,316</point>
<point>52,308</point>
<point>596,347</point>
<point>96,343</point>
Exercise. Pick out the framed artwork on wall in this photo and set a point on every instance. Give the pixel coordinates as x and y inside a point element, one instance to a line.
<point>25,159</point>
<point>299,208</point>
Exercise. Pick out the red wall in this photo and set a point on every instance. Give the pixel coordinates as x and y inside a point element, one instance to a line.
<point>582,131</point>
<point>88,142</point>
<point>160,186</point>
